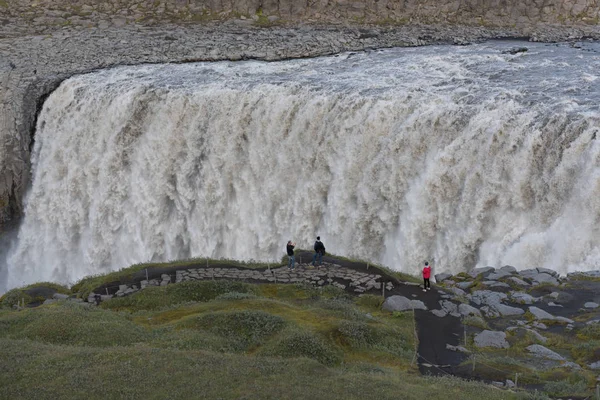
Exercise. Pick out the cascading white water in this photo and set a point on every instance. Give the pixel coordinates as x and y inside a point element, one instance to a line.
<point>460,155</point>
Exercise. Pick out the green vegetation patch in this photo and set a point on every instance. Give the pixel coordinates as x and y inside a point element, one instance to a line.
<point>297,342</point>
<point>154,298</point>
<point>37,292</point>
<point>242,330</point>
<point>33,370</point>
<point>72,323</point>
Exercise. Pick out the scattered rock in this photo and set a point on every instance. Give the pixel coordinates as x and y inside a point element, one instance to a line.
<point>544,278</point>
<point>442,277</point>
<point>485,271</point>
<point>491,339</point>
<point>594,365</point>
<point>571,365</point>
<point>508,268</point>
<point>494,284</point>
<point>487,297</point>
<point>464,285</point>
<point>498,275</point>
<point>518,281</point>
<point>538,313</point>
<point>522,298</point>
<point>401,303</point>
<point>591,304</point>
<point>439,313</point>
<point>457,348</point>
<point>530,332</point>
<point>544,352</point>
<point>539,325</point>
<point>466,310</point>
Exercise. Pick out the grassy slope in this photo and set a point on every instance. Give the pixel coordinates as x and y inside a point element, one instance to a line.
<point>219,340</point>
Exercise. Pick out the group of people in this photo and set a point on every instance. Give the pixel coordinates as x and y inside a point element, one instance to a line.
<point>319,253</point>
<point>319,248</point>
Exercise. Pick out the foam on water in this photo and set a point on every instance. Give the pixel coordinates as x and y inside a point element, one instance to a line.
<point>460,155</point>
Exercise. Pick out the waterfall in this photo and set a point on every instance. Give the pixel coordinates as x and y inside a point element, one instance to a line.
<point>460,156</point>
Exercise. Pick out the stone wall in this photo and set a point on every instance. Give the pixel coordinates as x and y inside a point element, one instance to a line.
<point>45,14</point>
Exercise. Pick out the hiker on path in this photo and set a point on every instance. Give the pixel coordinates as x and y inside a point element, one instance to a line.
<point>290,253</point>
<point>319,251</point>
<point>426,276</point>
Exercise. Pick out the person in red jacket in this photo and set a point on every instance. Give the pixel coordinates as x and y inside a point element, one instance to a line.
<point>426,276</point>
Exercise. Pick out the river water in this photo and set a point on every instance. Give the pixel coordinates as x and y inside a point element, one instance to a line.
<point>463,156</point>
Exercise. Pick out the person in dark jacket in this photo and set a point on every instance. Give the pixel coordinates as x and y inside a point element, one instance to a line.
<point>319,251</point>
<point>290,253</point>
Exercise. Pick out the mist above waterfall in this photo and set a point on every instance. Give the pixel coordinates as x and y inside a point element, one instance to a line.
<point>460,155</point>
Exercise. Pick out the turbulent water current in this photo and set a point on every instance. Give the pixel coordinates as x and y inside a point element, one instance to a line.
<point>464,156</point>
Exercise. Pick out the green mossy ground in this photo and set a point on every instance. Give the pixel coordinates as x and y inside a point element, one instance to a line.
<point>220,339</point>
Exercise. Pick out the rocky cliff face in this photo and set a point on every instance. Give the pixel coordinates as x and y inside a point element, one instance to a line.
<point>44,41</point>
<point>500,13</point>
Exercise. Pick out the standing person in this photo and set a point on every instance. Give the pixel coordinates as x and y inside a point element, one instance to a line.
<point>319,251</point>
<point>290,252</point>
<point>426,276</point>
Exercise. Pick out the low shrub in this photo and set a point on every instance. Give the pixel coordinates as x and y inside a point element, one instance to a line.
<point>73,324</point>
<point>370,301</point>
<point>153,298</point>
<point>27,294</point>
<point>359,334</point>
<point>241,329</point>
<point>235,296</point>
<point>302,343</point>
<point>590,332</point>
<point>566,388</point>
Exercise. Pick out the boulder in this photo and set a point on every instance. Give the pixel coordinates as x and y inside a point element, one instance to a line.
<point>517,281</point>
<point>401,303</point>
<point>449,306</point>
<point>528,272</point>
<point>485,271</point>
<point>497,285</point>
<point>508,268</point>
<point>544,278</point>
<point>594,365</point>
<point>487,297</point>
<point>538,313</point>
<point>464,285</point>
<point>501,310</point>
<point>465,310</point>
<point>543,352</point>
<point>458,292</point>
<point>530,332</point>
<point>571,365</point>
<point>498,275</point>
<point>522,298</point>
<point>439,313</point>
<point>491,339</point>
<point>591,304</point>
<point>548,271</point>
<point>442,277</point>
